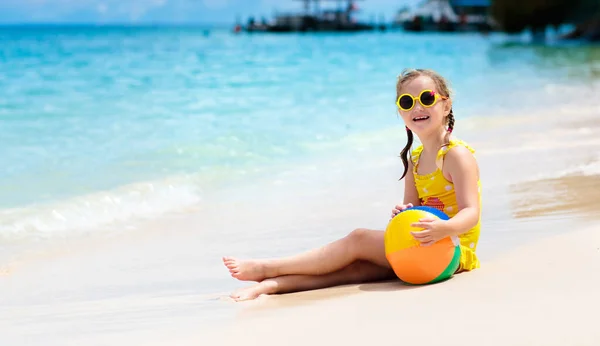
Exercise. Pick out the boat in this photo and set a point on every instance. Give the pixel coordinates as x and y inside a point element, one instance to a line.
<point>447,16</point>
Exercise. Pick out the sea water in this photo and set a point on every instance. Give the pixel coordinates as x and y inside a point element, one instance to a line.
<point>112,124</point>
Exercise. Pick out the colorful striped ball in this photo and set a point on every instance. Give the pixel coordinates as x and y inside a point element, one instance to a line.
<point>412,262</point>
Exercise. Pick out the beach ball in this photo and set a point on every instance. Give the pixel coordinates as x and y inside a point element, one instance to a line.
<point>412,262</point>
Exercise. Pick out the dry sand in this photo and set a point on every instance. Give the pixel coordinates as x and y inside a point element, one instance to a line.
<point>540,294</point>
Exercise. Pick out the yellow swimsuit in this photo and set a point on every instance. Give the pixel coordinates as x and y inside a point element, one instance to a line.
<point>437,192</point>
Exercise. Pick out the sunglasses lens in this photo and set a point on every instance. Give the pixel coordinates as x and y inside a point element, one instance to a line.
<point>427,98</point>
<point>406,102</point>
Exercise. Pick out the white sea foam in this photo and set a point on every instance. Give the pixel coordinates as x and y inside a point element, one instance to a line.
<point>588,169</point>
<point>91,212</point>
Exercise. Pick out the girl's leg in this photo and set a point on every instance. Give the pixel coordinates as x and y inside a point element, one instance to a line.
<point>357,272</point>
<point>360,244</point>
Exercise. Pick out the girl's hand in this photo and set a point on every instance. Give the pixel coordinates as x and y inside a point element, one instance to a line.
<point>399,208</point>
<point>434,230</point>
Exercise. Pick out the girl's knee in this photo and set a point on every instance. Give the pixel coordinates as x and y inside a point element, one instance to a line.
<point>358,234</point>
<point>359,241</point>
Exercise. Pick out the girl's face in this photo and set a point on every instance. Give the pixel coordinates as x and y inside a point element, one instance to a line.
<point>424,121</point>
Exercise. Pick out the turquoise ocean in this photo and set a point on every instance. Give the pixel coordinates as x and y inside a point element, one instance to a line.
<point>107,130</point>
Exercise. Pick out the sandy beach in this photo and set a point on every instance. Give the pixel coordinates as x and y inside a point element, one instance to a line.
<point>540,294</point>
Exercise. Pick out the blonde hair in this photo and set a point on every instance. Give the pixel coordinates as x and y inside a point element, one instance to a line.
<point>443,87</point>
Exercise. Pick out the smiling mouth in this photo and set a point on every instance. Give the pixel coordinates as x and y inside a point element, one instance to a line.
<point>421,118</point>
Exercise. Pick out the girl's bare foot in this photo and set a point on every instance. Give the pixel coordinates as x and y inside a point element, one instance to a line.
<point>247,270</point>
<point>252,292</point>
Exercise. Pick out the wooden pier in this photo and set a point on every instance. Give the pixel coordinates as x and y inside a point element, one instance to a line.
<point>313,19</point>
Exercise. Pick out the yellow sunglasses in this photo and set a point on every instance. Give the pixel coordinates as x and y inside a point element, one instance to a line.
<point>427,98</point>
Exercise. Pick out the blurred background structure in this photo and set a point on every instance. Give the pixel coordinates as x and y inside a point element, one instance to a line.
<point>314,18</point>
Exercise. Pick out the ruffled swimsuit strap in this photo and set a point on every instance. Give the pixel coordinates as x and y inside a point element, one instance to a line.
<point>416,153</point>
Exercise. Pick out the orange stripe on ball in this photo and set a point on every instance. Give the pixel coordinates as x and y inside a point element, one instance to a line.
<point>422,264</point>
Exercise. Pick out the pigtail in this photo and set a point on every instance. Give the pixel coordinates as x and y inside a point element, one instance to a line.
<point>450,121</point>
<point>404,155</point>
<point>450,128</point>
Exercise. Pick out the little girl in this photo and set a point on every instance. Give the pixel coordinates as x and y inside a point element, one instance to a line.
<point>443,174</point>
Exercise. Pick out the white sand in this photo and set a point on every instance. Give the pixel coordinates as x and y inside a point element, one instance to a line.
<point>541,294</point>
